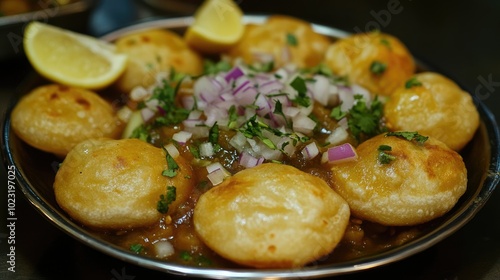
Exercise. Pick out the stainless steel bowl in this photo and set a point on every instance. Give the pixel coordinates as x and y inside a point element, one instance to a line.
<point>36,174</point>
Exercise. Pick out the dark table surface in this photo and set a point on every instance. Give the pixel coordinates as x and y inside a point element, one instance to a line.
<point>459,38</point>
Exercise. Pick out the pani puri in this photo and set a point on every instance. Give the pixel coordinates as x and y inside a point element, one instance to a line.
<point>421,183</point>
<point>379,62</point>
<point>438,108</point>
<point>283,40</point>
<point>116,184</point>
<point>155,51</point>
<point>271,216</point>
<point>54,118</point>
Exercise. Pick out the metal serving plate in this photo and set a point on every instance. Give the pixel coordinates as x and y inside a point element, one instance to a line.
<point>36,174</point>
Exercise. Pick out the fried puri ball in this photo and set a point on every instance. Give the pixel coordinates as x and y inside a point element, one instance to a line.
<point>281,39</point>
<point>54,118</point>
<point>271,216</point>
<point>116,184</point>
<point>420,183</point>
<point>155,51</point>
<point>434,106</point>
<point>379,62</point>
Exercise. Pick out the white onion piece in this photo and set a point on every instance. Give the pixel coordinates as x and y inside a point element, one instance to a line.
<point>310,151</point>
<point>302,123</point>
<point>139,93</point>
<point>341,153</point>
<point>124,114</point>
<point>171,150</point>
<point>182,136</point>
<point>147,114</point>
<point>217,173</point>
<point>346,98</point>
<point>198,131</point>
<point>238,141</point>
<point>320,89</point>
<point>163,249</point>
<point>248,160</point>
<point>206,149</point>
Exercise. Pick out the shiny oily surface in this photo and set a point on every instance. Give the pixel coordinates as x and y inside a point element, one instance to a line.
<point>36,173</point>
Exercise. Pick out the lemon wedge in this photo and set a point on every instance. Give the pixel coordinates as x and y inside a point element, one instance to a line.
<point>72,58</point>
<point>217,26</point>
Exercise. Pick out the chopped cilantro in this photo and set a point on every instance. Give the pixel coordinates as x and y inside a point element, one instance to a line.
<point>378,67</point>
<point>262,67</point>
<point>166,200</point>
<point>172,167</point>
<point>195,151</point>
<point>198,259</point>
<point>383,156</point>
<point>253,128</point>
<point>136,248</point>
<point>278,110</point>
<point>320,69</point>
<point>142,133</point>
<point>213,134</point>
<point>299,85</point>
<point>413,82</point>
<point>291,40</point>
<point>233,117</point>
<point>409,135</point>
<point>385,42</point>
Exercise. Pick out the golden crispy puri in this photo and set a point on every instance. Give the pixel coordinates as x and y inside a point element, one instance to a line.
<point>438,108</point>
<point>377,61</point>
<point>116,184</point>
<point>54,118</point>
<point>271,216</point>
<point>421,183</point>
<point>282,39</point>
<point>155,51</point>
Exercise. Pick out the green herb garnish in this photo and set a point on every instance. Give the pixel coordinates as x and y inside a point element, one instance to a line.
<point>212,68</point>
<point>299,85</point>
<point>364,120</point>
<point>409,135</point>
<point>337,113</point>
<point>383,156</point>
<point>172,167</point>
<point>413,82</point>
<point>291,40</point>
<point>166,199</point>
<point>378,67</point>
<point>136,248</point>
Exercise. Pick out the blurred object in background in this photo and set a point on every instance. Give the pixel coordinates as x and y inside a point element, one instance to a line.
<point>179,7</point>
<point>110,15</point>
<point>16,14</point>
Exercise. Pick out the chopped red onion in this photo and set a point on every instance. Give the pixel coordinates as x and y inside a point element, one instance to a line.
<point>272,86</point>
<point>248,160</point>
<point>234,74</point>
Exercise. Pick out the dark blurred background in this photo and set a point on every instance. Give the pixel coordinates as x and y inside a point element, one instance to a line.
<point>460,39</point>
